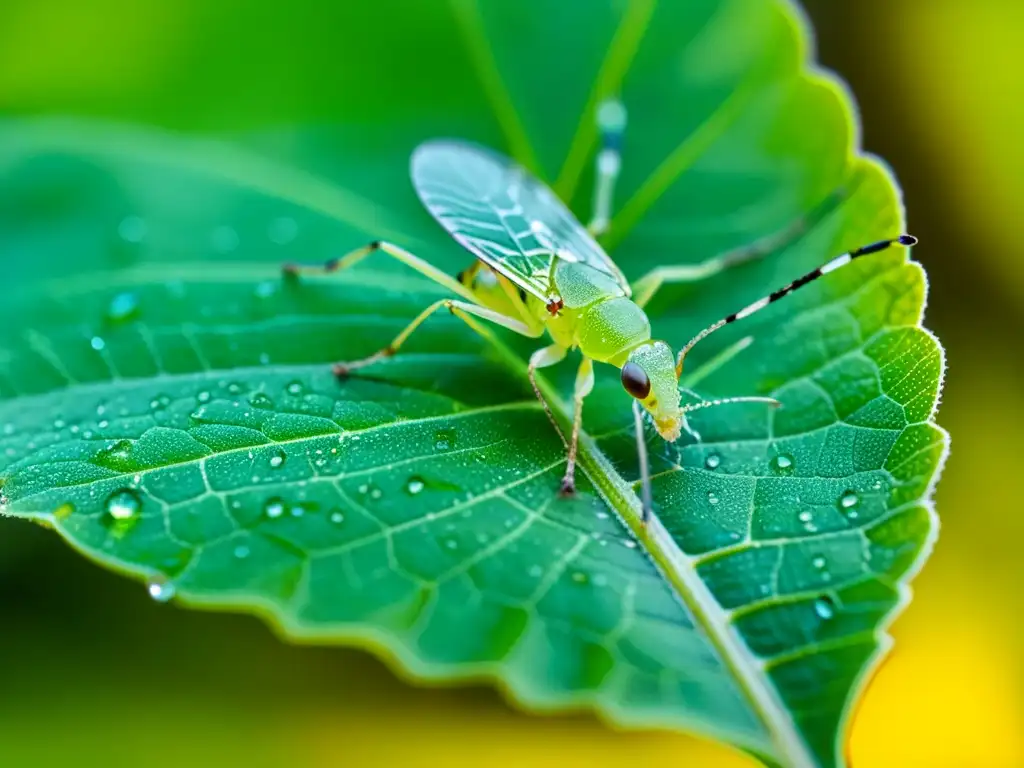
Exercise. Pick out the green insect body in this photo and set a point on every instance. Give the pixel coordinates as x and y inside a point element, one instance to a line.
<point>538,270</point>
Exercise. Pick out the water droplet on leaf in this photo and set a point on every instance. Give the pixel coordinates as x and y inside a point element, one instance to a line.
<point>712,498</point>
<point>97,343</point>
<point>444,440</point>
<point>124,306</point>
<point>277,459</point>
<point>261,400</point>
<point>712,461</point>
<point>414,485</point>
<point>295,388</point>
<point>849,500</point>
<point>782,463</point>
<point>274,507</point>
<point>160,590</point>
<point>123,507</point>
<point>824,607</point>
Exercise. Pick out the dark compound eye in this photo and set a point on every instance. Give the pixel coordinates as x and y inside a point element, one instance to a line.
<point>635,381</point>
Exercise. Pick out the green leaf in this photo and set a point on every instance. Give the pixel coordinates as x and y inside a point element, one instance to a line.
<point>166,401</point>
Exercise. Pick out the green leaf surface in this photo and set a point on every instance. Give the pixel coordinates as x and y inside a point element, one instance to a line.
<point>166,402</point>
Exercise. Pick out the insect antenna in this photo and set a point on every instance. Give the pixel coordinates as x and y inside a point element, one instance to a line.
<point>645,465</point>
<point>611,122</point>
<point>757,306</point>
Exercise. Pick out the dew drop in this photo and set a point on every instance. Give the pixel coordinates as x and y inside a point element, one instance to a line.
<point>204,397</point>
<point>600,580</point>
<point>277,460</point>
<point>97,343</point>
<point>451,544</point>
<point>294,388</point>
<point>337,517</point>
<point>414,485</point>
<point>818,562</point>
<point>712,498</point>
<point>806,516</point>
<point>274,507</point>
<point>782,463</point>
<point>159,402</point>
<point>123,506</point>
<point>712,461</point>
<point>116,456</point>
<point>160,590</point>
<point>444,440</point>
<point>265,289</point>
<point>124,306</point>
<point>535,571</point>
<point>264,358</point>
<point>376,493</point>
<point>824,607</point>
<point>132,229</point>
<point>298,510</point>
<point>849,500</point>
<point>261,400</point>
<point>629,543</point>
<point>241,552</point>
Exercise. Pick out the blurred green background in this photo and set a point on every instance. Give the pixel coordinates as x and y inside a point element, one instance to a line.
<point>95,672</point>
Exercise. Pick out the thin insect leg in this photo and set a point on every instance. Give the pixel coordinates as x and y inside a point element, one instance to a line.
<point>645,466</point>
<point>647,286</point>
<point>542,358</point>
<point>584,385</point>
<point>611,122</point>
<point>757,306</point>
<point>351,258</point>
<point>460,309</point>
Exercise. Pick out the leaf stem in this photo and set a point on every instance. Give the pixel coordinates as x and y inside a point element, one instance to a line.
<point>680,571</point>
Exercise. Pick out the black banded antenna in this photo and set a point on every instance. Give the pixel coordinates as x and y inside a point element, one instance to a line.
<point>810,277</point>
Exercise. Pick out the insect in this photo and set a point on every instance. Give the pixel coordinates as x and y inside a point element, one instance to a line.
<point>538,270</point>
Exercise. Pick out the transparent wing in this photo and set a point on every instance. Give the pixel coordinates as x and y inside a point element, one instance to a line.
<point>503,215</point>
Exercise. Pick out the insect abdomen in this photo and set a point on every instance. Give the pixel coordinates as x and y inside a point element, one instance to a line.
<point>609,329</point>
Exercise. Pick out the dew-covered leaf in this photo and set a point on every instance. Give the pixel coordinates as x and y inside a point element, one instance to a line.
<point>167,403</point>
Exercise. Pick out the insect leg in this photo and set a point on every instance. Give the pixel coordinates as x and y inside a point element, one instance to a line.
<point>647,286</point>
<point>543,358</point>
<point>584,385</point>
<point>611,122</point>
<point>757,306</point>
<point>645,465</point>
<point>460,309</point>
<point>351,258</point>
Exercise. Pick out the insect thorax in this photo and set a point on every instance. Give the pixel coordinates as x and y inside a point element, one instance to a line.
<point>601,319</point>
